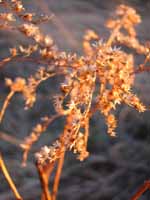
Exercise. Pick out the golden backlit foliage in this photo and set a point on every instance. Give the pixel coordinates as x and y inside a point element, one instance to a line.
<point>97,81</point>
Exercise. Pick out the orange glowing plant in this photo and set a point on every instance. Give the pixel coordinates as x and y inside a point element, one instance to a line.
<point>103,65</point>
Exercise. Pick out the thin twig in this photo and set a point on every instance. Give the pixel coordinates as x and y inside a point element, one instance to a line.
<point>141,69</point>
<point>114,33</point>
<point>27,144</point>
<point>141,190</point>
<point>58,174</point>
<point>10,139</point>
<point>86,132</point>
<point>10,95</point>
<point>9,180</point>
<point>20,59</point>
<point>44,175</point>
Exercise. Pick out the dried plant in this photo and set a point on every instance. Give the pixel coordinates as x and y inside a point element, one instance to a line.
<point>97,81</point>
<point>141,190</point>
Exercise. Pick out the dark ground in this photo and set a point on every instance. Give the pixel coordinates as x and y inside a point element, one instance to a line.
<point>116,167</point>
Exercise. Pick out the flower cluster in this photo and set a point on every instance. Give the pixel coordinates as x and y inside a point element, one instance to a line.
<point>110,66</point>
<point>124,28</point>
<point>97,81</point>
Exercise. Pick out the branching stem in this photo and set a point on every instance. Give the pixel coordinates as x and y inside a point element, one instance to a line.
<point>44,175</point>
<point>58,174</point>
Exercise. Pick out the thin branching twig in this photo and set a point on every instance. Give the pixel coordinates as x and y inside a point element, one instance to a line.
<point>58,174</point>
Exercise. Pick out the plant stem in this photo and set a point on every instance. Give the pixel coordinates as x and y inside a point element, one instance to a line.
<point>142,189</point>
<point>6,104</point>
<point>44,178</point>
<point>58,174</point>
<point>9,180</point>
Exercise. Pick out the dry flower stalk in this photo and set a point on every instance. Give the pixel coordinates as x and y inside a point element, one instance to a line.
<point>102,62</point>
<point>141,190</point>
<point>8,178</point>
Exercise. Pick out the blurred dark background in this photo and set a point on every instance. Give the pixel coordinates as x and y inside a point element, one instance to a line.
<point>116,168</point>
